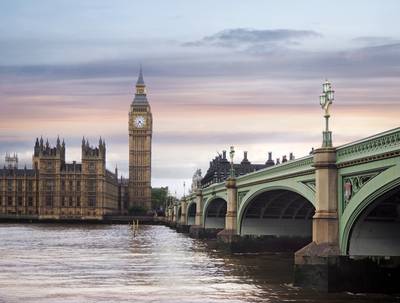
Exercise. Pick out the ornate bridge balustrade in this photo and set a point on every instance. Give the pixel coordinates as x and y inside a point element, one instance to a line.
<point>369,199</point>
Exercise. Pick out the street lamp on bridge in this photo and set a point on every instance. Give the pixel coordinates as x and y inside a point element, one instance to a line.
<point>326,100</point>
<point>231,155</point>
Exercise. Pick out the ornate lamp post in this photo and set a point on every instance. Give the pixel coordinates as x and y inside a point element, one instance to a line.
<point>231,155</point>
<point>184,189</point>
<point>326,100</point>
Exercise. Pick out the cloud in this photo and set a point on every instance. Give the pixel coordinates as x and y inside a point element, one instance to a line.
<point>374,40</point>
<point>252,38</point>
<point>363,62</point>
<point>227,138</point>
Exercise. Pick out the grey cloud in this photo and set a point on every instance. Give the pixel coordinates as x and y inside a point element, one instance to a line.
<point>251,38</point>
<point>208,138</point>
<point>175,172</point>
<point>377,61</point>
<point>241,138</point>
<point>9,145</point>
<point>374,40</point>
<point>214,138</point>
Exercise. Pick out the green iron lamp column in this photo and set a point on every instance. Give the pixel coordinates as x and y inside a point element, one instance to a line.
<point>326,100</point>
<point>232,154</point>
<point>199,208</point>
<point>322,253</point>
<point>231,189</point>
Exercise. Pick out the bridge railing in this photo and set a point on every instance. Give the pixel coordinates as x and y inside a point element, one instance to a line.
<point>386,144</point>
<point>214,188</point>
<point>380,144</point>
<point>287,168</point>
<point>293,166</point>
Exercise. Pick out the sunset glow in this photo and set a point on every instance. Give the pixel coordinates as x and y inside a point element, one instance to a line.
<point>215,77</point>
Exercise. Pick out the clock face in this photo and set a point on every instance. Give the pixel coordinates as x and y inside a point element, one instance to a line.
<point>139,121</point>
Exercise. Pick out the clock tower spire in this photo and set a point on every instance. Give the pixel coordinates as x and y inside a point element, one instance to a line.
<point>140,85</point>
<point>140,135</point>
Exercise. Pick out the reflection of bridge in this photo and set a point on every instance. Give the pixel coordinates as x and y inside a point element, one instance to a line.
<point>342,201</point>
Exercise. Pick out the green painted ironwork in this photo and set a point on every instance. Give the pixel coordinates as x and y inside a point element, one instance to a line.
<point>370,165</point>
<point>383,143</point>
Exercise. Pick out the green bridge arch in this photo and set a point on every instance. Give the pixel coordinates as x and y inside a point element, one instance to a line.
<point>208,202</point>
<point>292,185</point>
<point>191,219</point>
<point>383,183</point>
<point>294,191</point>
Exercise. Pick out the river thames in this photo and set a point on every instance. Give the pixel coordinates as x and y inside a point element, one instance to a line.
<point>107,263</point>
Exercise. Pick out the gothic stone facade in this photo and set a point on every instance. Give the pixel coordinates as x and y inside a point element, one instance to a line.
<point>54,189</point>
<point>140,135</point>
<point>219,169</point>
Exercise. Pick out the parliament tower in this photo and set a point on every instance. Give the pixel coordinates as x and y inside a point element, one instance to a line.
<point>140,134</point>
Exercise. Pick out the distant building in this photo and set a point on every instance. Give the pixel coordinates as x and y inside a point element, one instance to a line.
<point>55,189</point>
<point>140,136</point>
<point>11,161</point>
<point>219,169</point>
<point>123,195</point>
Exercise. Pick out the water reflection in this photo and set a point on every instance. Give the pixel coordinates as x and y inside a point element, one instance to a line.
<point>106,263</point>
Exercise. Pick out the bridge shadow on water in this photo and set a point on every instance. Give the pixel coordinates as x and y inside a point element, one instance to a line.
<point>272,273</point>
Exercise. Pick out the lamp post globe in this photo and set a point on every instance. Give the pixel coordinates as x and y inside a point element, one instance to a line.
<point>322,100</point>
<point>326,100</point>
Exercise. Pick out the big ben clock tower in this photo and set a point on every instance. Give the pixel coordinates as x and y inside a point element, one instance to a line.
<point>140,133</point>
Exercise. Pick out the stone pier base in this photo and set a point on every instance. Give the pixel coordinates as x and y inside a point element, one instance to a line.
<point>320,267</point>
<point>230,241</point>
<point>171,224</point>
<point>314,266</point>
<point>182,228</point>
<point>200,232</point>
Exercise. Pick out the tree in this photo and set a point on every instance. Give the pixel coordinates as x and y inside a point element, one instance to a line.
<point>159,198</point>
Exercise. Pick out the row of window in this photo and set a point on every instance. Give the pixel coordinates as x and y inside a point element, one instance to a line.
<point>70,185</point>
<point>139,193</point>
<point>8,201</point>
<point>49,185</point>
<point>10,185</point>
<point>70,201</point>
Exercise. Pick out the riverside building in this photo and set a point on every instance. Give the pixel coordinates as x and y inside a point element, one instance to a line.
<point>55,189</point>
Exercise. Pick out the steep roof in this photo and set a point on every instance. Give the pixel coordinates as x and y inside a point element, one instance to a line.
<point>140,95</point>
<point>140,80</point>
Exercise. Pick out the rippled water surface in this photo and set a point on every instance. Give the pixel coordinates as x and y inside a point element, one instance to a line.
<point>106,263</point>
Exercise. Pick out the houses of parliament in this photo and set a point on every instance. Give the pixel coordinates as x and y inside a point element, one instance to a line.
<point>55,189</point>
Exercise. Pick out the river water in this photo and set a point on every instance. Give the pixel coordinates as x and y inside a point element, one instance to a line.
<point>107,263</point>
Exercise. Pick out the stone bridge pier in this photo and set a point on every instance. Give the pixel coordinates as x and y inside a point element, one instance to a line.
<point>230,234</point>
<point>313,260</point>
<point>198,230</point>
<point>174,215</point>
<point>182,224</point>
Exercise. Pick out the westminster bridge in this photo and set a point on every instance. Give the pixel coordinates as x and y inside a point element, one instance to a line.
<point>337,208</point>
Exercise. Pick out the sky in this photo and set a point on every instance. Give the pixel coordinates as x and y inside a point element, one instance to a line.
<point>218,73</point>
